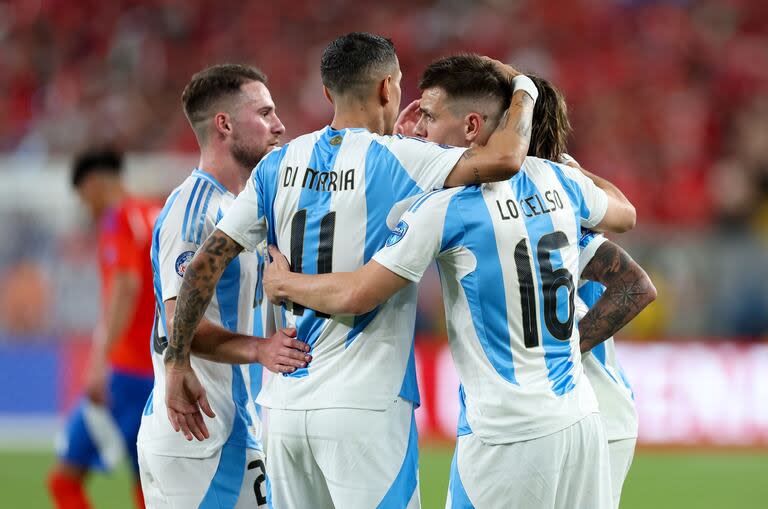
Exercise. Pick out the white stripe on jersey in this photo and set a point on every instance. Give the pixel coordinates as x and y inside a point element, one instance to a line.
<point>189,216</point>
<point>508,258</point>
<point>324,200</point>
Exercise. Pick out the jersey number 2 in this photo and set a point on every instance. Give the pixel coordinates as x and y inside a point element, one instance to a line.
<point>324,248</point>
<point>552,281</point>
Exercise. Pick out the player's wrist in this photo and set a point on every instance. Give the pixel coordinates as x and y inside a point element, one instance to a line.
<point>526,84</point>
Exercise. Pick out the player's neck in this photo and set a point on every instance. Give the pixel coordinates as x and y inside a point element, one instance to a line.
<point>228,172</point>
<point>357,116</point>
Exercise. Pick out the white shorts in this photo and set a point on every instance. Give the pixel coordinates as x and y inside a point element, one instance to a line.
<point>343,458</point>
<point>565,470</point>
<point>234,477</point>
<point>621,453</point>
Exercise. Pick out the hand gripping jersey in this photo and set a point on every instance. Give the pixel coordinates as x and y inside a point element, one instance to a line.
<point>323,199</point>
<point>508,258</point>
<point>125,233</point>
<point>602,367</point>
<point>189,216</point>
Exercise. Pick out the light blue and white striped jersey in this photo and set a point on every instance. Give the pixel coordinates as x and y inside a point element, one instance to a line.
<point>189,216</point>
<point>323,199</point>
<point>602,367</point>
<point>508,258</point>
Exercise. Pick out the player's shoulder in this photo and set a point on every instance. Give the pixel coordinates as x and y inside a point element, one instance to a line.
<point>437,199</point>
<point>190,204</point>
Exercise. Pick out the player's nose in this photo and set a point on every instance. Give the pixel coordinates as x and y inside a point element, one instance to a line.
<point>278,127</point>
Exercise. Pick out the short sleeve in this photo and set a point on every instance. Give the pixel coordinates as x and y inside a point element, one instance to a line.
<point>426,164</point>
<point>176,251</point>
<point>589,242</point>
<point>592,201</point>
<point>416,240</point>
<point>245,220</point>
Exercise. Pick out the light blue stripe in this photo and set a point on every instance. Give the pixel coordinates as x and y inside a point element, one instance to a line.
<point>155,258</point>
<point>409,390</point>
<point>317,204</point>
<point>422,199</point>
<point>208,177</point>
<point>149,407</point>
<point>193,217</point>
<point>404,486</point>
<point>459,497</point>
<point>463,428</point>
<point>198,182</point>
<point>228,295</point>
<point>580,209</point>
<point>266,179</point>
<point>557,354</point>
<point>224,489</point>
<point>201,221</point>
<point>468,213</point>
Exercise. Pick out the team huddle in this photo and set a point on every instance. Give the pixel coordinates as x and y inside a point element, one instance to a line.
<point>305,258</point>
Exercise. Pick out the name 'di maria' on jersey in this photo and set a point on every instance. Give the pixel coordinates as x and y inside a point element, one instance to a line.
<point>342,180</point>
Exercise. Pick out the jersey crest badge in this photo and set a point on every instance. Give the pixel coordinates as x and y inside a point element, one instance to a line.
<point>398,233</point>
<point>182,261</point>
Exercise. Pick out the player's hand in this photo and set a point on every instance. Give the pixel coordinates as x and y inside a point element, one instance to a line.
<point>184,398</point>
<point>273,274</point>
<point>408,118</point>
<point>283,353</point>
<point>96,381</point>
<point>505,69</point>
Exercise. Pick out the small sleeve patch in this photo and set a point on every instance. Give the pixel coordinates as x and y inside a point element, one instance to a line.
<point>397,234</point>
<point>183,261</point>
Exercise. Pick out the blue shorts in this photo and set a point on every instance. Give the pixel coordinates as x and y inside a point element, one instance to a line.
<point>84,446</point>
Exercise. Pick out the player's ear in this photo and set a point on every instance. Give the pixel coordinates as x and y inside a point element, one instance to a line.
<point>385,92</point>
<point>473,124</point>
<point>327,94</point>
<point>223,124</point>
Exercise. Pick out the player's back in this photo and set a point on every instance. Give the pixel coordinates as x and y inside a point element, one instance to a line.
<point>325,198</point>
<point>508,259</point>
<point>125,234</point>
<point>190,214</point>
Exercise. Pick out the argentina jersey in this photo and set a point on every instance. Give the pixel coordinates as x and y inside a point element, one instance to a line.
<point>601,365</point>
<point>188,217</point>
<point>323,199</point>
<point>508,254</point>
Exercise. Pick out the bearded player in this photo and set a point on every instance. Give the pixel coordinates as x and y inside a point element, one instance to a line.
<point>233,117</point>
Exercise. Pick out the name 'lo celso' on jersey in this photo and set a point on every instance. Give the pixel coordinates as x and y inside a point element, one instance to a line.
<point>323,199</point>
<point>508,258</point>
<point>190,214</point>
<point>601,364</point>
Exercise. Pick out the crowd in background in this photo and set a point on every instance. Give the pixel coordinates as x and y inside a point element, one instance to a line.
<point>669,99</point>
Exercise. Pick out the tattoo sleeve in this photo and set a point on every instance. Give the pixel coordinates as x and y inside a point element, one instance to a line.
<point>200,280</point>
<point>628,290</point>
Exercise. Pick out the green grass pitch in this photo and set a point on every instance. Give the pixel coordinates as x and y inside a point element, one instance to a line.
<point>658,480</point>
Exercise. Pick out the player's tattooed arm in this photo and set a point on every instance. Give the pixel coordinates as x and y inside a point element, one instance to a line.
<point>337,293</point>
<point>504,154</point>
<point>628,290</point>
<point>200,279</point>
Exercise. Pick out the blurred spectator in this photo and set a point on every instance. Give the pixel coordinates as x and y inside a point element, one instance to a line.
<point>654,87</point>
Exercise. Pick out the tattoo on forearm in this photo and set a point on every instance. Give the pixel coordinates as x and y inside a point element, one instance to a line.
<point>628,291</point>
<point>196,292</point>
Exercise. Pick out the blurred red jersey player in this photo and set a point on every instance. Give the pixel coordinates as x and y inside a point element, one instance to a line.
<point>103,427</point>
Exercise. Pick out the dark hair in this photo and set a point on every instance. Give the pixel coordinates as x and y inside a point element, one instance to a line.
<point>468,77</point>
<point>108,161</point>
<point>211,84</point>
<point>356,59</point>
<point>551,127</point>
